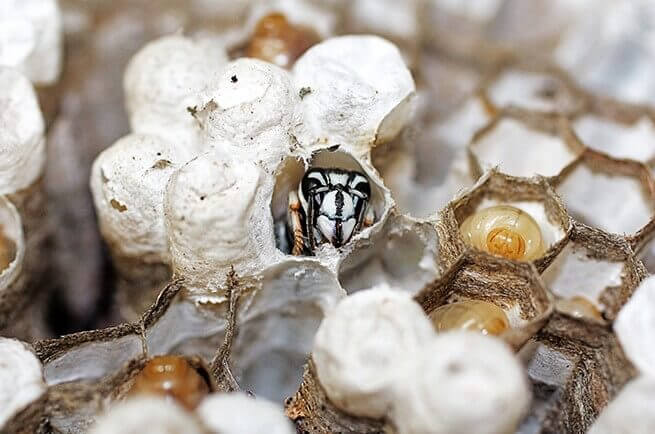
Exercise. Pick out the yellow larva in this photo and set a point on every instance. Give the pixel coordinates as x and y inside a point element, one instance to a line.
<point>278,41</point>
<point>505,231</point>
<point>172,377</point>
<point>475,315</point>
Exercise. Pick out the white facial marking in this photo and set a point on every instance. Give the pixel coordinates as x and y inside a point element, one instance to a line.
<point>339,178</point>
<point>329,205</point>
<point>348,209</point>
<point>326,226</point>
<point>347,229</point>
<point>336,201</point>
<point>317,176</point>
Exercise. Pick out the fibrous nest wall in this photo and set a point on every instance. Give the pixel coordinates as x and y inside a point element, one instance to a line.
<point>514,187</point>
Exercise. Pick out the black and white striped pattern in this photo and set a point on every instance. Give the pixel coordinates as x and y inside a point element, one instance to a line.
<point>334,202</point>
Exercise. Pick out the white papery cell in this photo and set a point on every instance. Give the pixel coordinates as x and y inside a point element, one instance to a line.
<point>128,181</point>
<point>22,141</point>
<point>31,38</point>
<point>163,84</point>
<point>364,346</point>
<point>21,378</point>
<point>357,92</point>
<point>462,382</point>
<point>237,413</point>
<point>217,218</point>
<point>146,414</point>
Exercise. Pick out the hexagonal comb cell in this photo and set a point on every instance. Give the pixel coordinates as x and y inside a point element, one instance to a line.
<point>570,361</point>
<point>525,144</point>
<point>419,183</point>
<point>594,275</point>
<point>98,354</point>
<point>279,41</point>
<point>536,89</point>
<point>542,89</point>
<point>518,219</point>
<point>607,52</point>
<point>513,287</point>
<point>84,370</point>
<point>612,195</point>
<point>620,133</point>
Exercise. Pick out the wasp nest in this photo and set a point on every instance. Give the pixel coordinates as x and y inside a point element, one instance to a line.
<point>357,381</point>
<point>22,163</point>
<point>236,123</point>
<point>320,232</point>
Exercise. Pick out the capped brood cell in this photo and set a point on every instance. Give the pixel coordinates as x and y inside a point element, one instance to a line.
<point>360,93</point>
<point>454,370</point>
<point>250,105</point>
<point>236,413</point>
<point>343,388</point>
<point>629,411</point>
<point>128,183</point>
<point>217,220</point>
<point>32,41</point>
<point>146,414</point>
<point>22,162</point>
<point>163,83</point>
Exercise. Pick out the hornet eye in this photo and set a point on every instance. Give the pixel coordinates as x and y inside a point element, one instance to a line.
<point>360,186</point>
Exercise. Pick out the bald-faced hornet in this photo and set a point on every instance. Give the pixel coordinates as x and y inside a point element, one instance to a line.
<point>331,205</point>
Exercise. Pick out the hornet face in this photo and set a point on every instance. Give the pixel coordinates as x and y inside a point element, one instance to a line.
<point>335,204</point>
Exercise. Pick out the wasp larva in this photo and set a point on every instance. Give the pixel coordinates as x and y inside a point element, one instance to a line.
<point>505,231</point>
<point>277,41</point>
<point>474,315</point>
<point>579,307</point>
<point>172,377</point>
